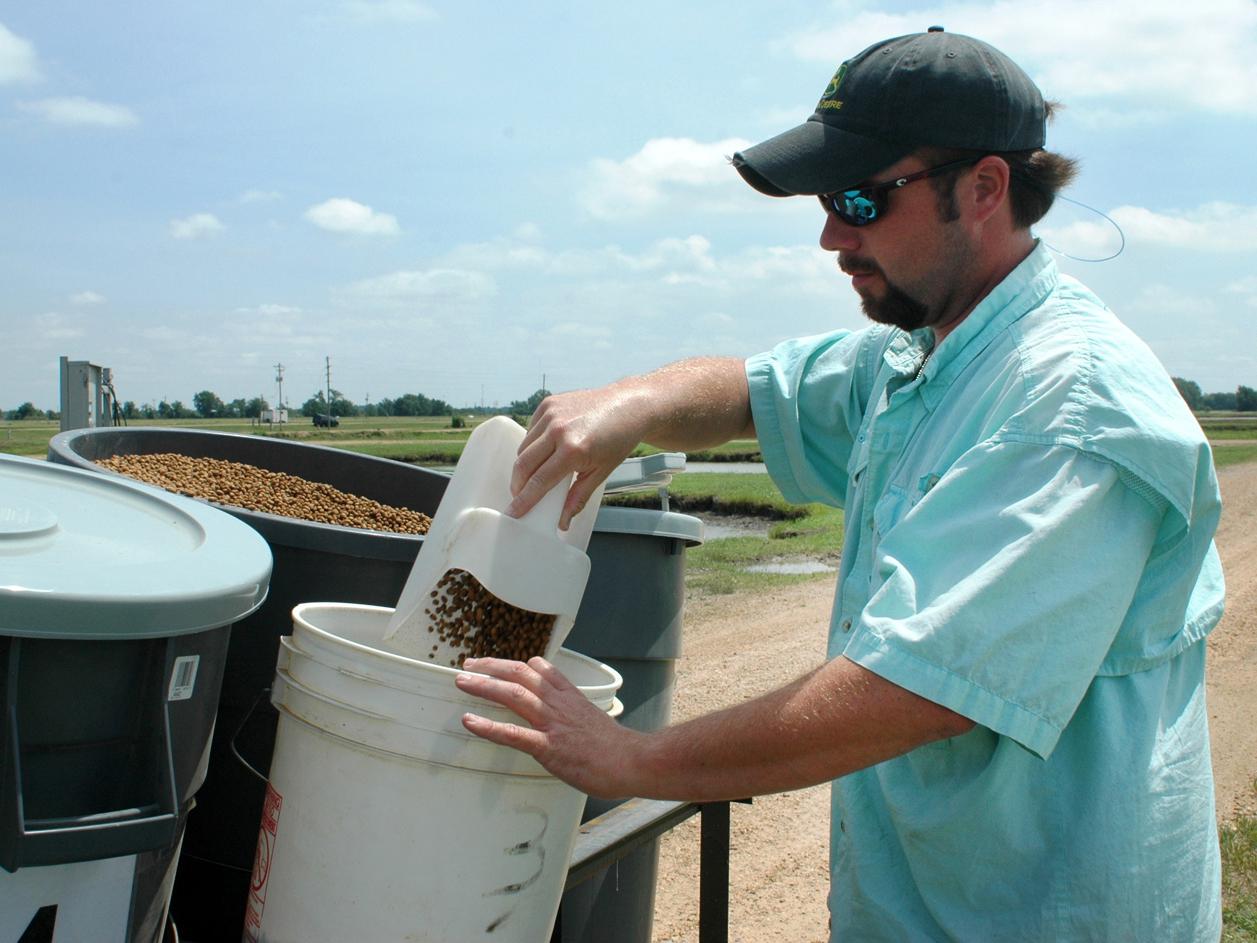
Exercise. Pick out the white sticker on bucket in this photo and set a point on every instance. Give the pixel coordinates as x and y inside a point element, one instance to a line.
<point>262,857</point>
<point>183,677</point>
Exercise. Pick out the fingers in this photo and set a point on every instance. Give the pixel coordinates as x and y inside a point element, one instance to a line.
<point>533,452</point>
<point>578,496</point>
<point>522,688</point>
<point>535,479</point>
<point>551,675</point>
<point>508,735</point>
<point>512,684</point>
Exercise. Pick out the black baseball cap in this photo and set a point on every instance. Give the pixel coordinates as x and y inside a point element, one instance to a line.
<point>932,88</point>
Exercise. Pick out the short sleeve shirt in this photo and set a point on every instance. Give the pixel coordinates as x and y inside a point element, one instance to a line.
<point>1028,541</point>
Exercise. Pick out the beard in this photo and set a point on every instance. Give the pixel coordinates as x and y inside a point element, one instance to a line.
<point>896,307</point>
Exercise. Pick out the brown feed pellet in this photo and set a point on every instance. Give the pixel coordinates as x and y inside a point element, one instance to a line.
<point>257,489</point>
<point>464,615</point>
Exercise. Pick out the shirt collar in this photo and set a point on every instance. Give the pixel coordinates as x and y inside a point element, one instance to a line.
<point>1021,290</point>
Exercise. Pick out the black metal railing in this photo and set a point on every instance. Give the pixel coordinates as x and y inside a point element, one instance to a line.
<point>606,839</point>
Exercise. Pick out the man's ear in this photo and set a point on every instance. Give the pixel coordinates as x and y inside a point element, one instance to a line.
<point>988,187</point>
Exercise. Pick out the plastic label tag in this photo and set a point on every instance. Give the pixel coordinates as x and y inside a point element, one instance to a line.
<point>183,677</point>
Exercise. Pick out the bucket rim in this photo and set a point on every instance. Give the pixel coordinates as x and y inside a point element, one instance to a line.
<point>610,686</point>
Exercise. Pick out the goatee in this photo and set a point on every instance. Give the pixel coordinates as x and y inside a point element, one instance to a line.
<point>895,307</point>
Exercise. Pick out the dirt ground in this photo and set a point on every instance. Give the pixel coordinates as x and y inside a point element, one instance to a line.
<point>739,646</point>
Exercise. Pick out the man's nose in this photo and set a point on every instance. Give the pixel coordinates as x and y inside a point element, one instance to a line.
<point>838,236</point>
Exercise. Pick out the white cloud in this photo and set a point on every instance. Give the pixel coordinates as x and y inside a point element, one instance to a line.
<point>18,61</point>
<point>52,326</point>
<point>671,263</point>
<point>1246,288</point>
<point>267,322</point>
<point>1211,227</point>
<point>258,196</point>
<point>342,215</point>
<point>270,310</point>
<point>664,171</point>
<point>443,285</point>
<point>87,298</point>
<point>81,111</point>
<point>390,11</point>
<point>1198,55</point>
<point>580,330</point>
<point>195,226</point>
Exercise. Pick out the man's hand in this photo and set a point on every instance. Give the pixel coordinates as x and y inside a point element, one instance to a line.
<point>569,736</point>
<point>588,432</point>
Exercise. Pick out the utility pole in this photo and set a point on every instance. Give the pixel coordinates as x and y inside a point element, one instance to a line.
<point>328,367</point>
<point>279,378</point>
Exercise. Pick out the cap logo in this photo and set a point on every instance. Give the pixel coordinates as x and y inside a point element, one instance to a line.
<point>830,98</point>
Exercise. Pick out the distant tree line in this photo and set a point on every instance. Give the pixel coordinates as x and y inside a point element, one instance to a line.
<point>1243,400</point>
<point>28,410</point>
<point>207,405</point>
<point>409,404</point>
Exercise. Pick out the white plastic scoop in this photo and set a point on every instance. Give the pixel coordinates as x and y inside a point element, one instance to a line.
<point>525,562</point>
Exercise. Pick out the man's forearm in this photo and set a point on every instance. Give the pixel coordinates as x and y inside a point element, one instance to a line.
<point>698,402</point>
<point>833,721</point>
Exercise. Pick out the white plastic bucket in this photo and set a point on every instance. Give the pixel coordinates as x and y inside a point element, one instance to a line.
<point>384,819</point>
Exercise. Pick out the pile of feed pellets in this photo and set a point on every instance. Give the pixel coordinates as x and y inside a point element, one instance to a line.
<point>256,489</point>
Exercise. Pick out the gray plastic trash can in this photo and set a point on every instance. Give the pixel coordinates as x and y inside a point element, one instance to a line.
<point>116,605</point>
<point>630,619</point>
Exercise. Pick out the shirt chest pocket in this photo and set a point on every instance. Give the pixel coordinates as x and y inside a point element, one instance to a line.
<point>890,509</point>
<point>895,504</point>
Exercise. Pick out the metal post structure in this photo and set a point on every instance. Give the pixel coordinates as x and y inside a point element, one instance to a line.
<point>606,839</point>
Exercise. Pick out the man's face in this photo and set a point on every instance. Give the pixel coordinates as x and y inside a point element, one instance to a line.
<point>910,265</point>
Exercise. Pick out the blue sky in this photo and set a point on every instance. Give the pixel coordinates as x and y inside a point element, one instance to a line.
<point>461,199</point>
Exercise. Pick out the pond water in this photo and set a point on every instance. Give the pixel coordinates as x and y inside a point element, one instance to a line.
<point>728,468</point>
<point>799,566</point>
<point>719,526</point>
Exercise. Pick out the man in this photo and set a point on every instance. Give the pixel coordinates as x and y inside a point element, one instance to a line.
<point>1012,712</point>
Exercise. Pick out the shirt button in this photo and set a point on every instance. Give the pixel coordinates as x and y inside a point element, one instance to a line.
<point>846,625</point>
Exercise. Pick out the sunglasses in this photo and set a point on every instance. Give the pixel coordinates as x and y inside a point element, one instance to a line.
<point>865,205</point>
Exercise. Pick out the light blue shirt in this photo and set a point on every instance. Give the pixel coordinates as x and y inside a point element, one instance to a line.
<point>1029,542</point>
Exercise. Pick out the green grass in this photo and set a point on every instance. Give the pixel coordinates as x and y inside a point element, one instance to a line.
<point>1225,455</point>
<point>28,437</point>
<point>417,452</point>
<point>1239,881</point>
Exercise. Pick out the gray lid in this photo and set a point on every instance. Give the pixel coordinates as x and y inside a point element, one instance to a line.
<point>92,556</point>
<point>644,522</point>
<point>645,471</point>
